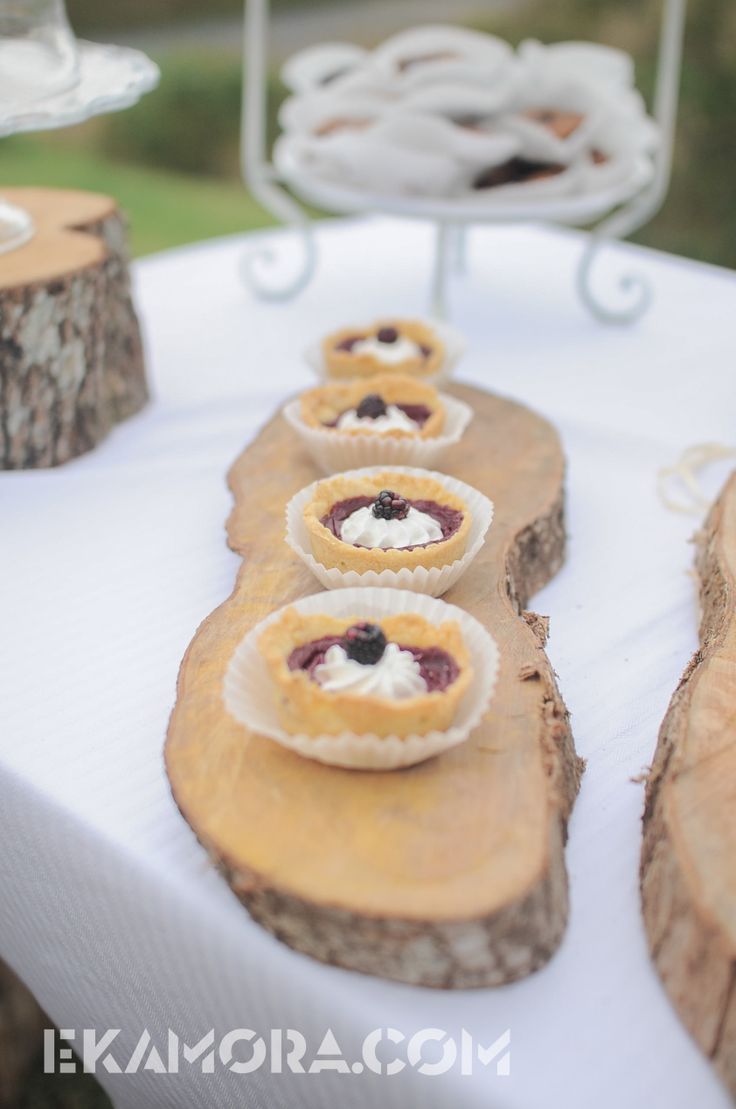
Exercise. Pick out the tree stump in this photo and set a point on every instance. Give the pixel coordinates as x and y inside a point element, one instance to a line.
<point>688,862</point>
<point>21,1036</point>
<point>71,359</point>
<point>450,873</point>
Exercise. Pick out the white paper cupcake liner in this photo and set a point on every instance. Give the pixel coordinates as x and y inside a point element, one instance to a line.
<point>454,342</point>
<point>250,696</point>
<point>311,67</point>
<point>435,581</point>
<point>333,451</point>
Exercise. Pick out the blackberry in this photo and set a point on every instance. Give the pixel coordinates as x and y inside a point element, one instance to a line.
<point>365,643</point>
<point>349,343</point>
<point>371,406</point>
<point>387,335</point>
<point>390,506</point>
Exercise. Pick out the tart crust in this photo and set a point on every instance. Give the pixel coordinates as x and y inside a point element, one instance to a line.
<point>345,364</point>
<point>305,707</point>
<point>320,407</point>
<point>334,552</point>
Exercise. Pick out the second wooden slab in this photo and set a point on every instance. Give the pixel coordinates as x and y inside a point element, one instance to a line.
<point>688,877</point>
<point>450,873</point>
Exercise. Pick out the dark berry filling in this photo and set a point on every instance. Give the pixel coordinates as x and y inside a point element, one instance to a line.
<point>349,343</point>
<point>308,656</point>
<point>436,666</point>
<point>390,506</point>
<point>365,643</point>
<point>516,171</point>
<point>387,335</point>
<point>419,413</point>
<point>448,518</point>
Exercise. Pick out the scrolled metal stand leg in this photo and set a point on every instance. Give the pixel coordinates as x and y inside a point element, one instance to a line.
<point>636,288</point>
<point>460,248</point>
<point>644,206</point>
<point>438,302</point>
<point>260,176</point>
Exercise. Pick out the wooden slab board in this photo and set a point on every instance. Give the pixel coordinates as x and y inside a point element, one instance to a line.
<point>688,862</point>
<point>450,873</point>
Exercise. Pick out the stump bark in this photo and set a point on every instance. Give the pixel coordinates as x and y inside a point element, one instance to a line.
<point>71,358</point>
<point>688,861</point>
<point>21,1036</point>
<point>447,874</point>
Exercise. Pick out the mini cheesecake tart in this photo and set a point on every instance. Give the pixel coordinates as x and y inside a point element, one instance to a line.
<point>393,405</point>
<point>387,346</point>
<point>404,676</point>
<point>386,521</point>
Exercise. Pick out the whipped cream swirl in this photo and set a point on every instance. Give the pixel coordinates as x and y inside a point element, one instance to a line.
<point>396,675</point>
<point>388,353</point>
<point>395,419</point>
<point>362,529</point>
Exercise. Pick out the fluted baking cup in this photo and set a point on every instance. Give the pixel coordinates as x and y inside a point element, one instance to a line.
<point>453,341</point>
<point>435,581</point>
<point>334,451</point>
<point>250,695</point>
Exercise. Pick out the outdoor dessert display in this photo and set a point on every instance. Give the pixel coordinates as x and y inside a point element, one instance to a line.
<point>447,114</point>
<point>457,128</point>
<point>71,357</point>
<point>451,872</point>
<point>688,882</point>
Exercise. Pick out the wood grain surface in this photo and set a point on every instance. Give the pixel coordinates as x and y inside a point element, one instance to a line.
<point>688,862</point>
<point>450,873</point>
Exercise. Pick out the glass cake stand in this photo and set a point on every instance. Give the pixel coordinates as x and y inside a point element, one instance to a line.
<point>616,210</point>
<point>49,79</point>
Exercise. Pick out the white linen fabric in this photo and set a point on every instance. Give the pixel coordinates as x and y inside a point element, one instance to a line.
<point>110,910</point>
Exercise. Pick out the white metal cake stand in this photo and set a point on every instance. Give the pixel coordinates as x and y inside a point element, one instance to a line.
<point>616,211</point>
<point>109,78</point>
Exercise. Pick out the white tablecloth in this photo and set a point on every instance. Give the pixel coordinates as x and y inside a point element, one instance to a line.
<point>110,910</point>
